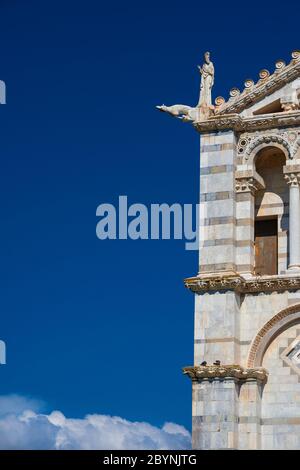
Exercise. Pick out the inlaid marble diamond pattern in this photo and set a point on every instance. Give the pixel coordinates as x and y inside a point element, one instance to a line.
<point>291,354</point>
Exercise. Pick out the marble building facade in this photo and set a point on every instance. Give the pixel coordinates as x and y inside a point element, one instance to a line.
<point>246,372</point>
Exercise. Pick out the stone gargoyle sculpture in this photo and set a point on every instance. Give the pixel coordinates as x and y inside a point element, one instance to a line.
<point>181,111</point>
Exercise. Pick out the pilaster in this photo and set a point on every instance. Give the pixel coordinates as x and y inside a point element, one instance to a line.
<point>217,202</point>
<point>217,326</point>
<point>246,185</point>
<point>226,409</point>
<point>249,429</point>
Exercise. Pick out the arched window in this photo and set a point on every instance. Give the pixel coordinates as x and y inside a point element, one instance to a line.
<point>271,213</point>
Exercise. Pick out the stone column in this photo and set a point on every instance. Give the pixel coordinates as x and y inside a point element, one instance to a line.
<point>294,220</point>
<point>247,183</point>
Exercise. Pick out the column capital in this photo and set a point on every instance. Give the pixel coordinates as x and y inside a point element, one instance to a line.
<point>292,179</point>
<point>248,182</point>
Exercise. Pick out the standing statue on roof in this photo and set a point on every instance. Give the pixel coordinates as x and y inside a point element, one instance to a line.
<point>204,108</point>
<point>207,72</point>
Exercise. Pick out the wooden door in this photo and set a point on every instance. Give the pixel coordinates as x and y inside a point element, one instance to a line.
<point>266,251</point>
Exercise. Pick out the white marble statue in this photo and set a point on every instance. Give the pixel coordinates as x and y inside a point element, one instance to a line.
<point>204,108</point>
<point>207,72</point>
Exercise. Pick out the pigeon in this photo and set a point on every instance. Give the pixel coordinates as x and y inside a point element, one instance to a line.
<point>204,363</point>
<point>217,363</point>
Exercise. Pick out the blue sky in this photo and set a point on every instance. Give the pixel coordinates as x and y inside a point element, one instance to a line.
<point>105,326</point>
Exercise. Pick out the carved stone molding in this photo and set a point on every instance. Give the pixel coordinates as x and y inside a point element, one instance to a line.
<point>287,138</point>
<point>268,139</point>
<point>239,124</point>
<point>232,371</point>
<point>205,283</point>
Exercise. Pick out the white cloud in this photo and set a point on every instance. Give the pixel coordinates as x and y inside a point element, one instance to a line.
<point>17,403</point>
<point>23,426</point>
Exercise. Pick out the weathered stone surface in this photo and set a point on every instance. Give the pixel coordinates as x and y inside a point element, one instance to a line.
<point>249,171</point>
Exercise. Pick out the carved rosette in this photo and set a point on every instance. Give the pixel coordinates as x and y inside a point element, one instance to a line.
<point>232,372</point>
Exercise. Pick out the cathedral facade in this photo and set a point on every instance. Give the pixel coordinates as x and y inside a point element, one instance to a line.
<point>246,372</point>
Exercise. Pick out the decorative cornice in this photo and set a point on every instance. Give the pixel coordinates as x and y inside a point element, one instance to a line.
<point>201,284</point>
<point>266,85</point>
<point>232,371</point>
<point>248,124</point>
